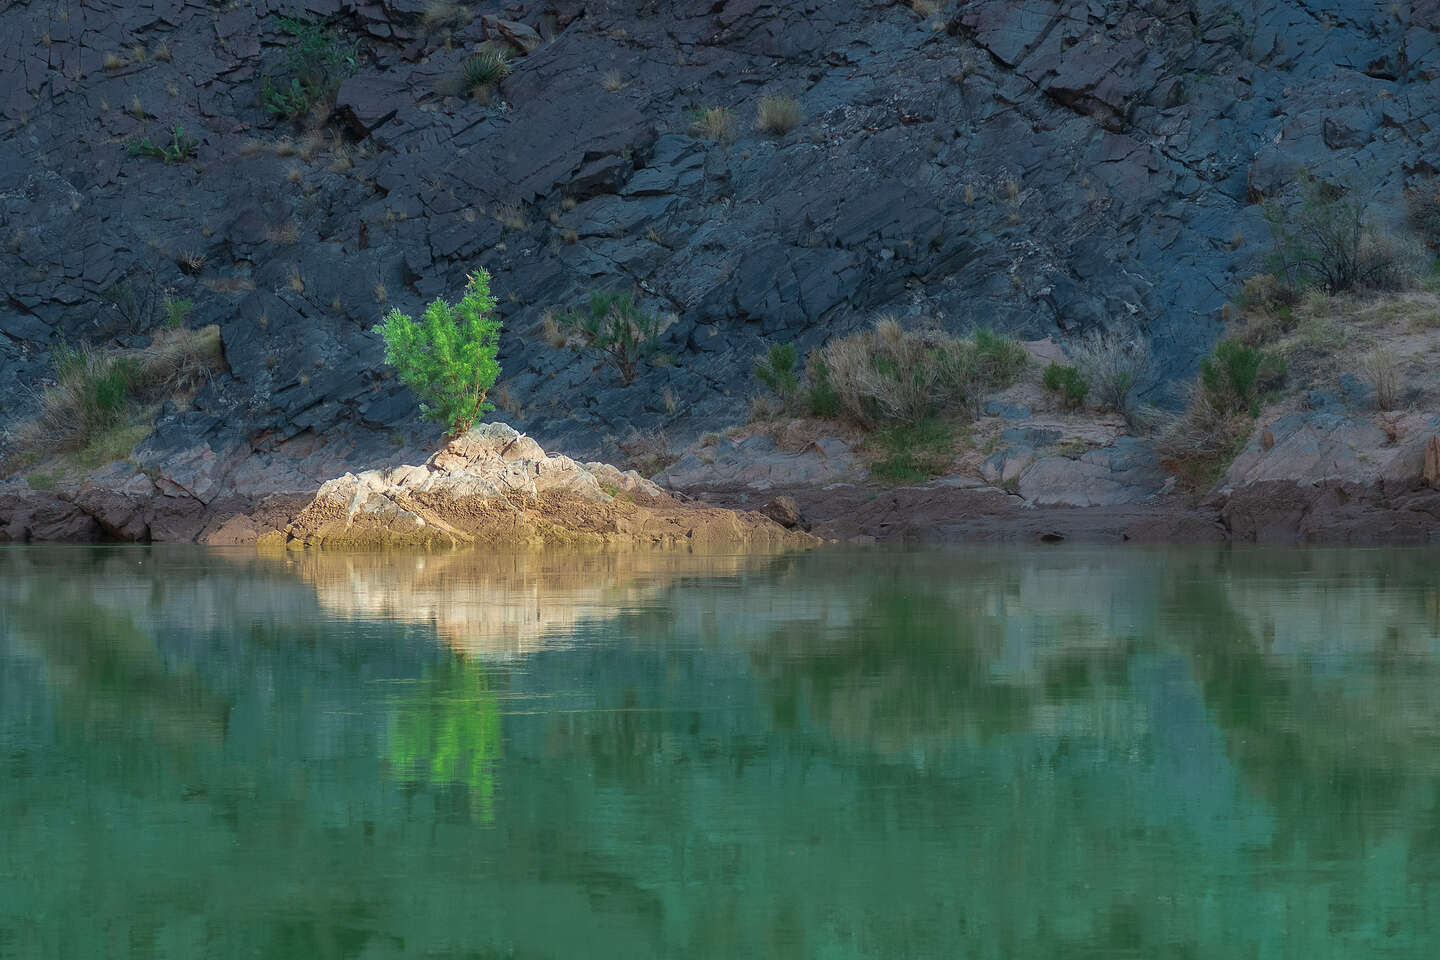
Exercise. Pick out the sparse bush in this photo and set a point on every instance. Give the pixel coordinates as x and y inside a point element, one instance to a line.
<point>1324,240</point>
<point>101,401</point>
<point>1264,294</point>
<point>647,453</point>
<point>448,357</point>
<point>317,61</point>
<point>777,115</point>
<point>820,394</point>
<point>1068,383</point>
<point>778,371</point>
<point>176,310</point>
<point>613,325</point>
<point>999,361</point>
<point>1382,371</point>
<point>889,373</point>
<point>1114,364</point>
<point>1200,444</point>
<point>486,68</point>
<point>181,146</point>
<point>1233,377</point>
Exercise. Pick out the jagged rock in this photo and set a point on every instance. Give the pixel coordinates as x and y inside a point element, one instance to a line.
<point>895,194</point>
<point>756,462</point>
<point>523,38</point>
<point>494,484</point>
<point>36,515</point>
<point>784,511</point>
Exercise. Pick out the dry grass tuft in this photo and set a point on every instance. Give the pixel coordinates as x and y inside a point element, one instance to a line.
<point>442,17</point>
<point>1382,369</point>
<point>714,124</point>
<point>162,52</point>
<point>551,330</point>
<point>511,216</point>
<point>1201,443</point>
<point>777,115</point>
<point>102,401</point>
<point>890,373</point>
<point>647,453</point>
<point>612,81</point>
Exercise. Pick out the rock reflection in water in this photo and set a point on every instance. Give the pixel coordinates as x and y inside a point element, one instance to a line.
<point>996,753</point>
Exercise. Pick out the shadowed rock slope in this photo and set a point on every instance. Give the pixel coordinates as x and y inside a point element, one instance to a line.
<point>1041,167</point>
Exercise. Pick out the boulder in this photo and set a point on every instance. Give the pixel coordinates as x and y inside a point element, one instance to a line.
<point>784,511</point>
<point>495,485</point>
<point>522,38</point>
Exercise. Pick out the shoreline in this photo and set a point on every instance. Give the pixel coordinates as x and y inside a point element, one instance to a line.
<point>1268,512</point>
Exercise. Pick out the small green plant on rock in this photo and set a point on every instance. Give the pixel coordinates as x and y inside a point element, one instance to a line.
<point>177,310</point>
<point>486,68</point>
<point>611,324</point>
<point>1068,383</point>
<point>778,371</point>
<point>317,61</point>
<point>820,394</point>
<point>181,147</point>
<point>448,356</point>
<point>1235,374</point>
<point>913,452</point>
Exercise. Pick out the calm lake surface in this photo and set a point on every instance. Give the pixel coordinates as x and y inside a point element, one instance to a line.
<point>992,753</point>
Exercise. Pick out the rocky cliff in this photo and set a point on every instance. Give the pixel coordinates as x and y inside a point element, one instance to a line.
<point>1040,167</point>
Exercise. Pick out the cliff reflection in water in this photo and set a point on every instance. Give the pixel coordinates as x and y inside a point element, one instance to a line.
<point>1008,753</point>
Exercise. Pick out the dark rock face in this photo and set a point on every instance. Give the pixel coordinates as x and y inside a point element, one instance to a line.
<point>1042,168</point>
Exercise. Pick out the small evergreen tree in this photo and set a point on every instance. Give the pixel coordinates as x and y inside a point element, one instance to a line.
<point>448,356</point>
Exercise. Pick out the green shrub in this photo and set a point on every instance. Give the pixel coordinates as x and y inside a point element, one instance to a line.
<point>999,360</point>
<point>448,357</point>
<point>317,61</point>
<point>98,385</point>
<point>614,326</point>
<point>889,373</point>
<point>913,452</point>
<point>820,395</point>
<point>1068,382</point>
<point>1323,240</point>
<point>488,67</point>
<point>1233,376</point>
<point>103,401</point>
<point>180,148</point>
<point>777,370</point>
<point>176,310</point>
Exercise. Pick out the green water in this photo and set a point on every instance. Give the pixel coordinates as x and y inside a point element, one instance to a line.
<point>989,754</point>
